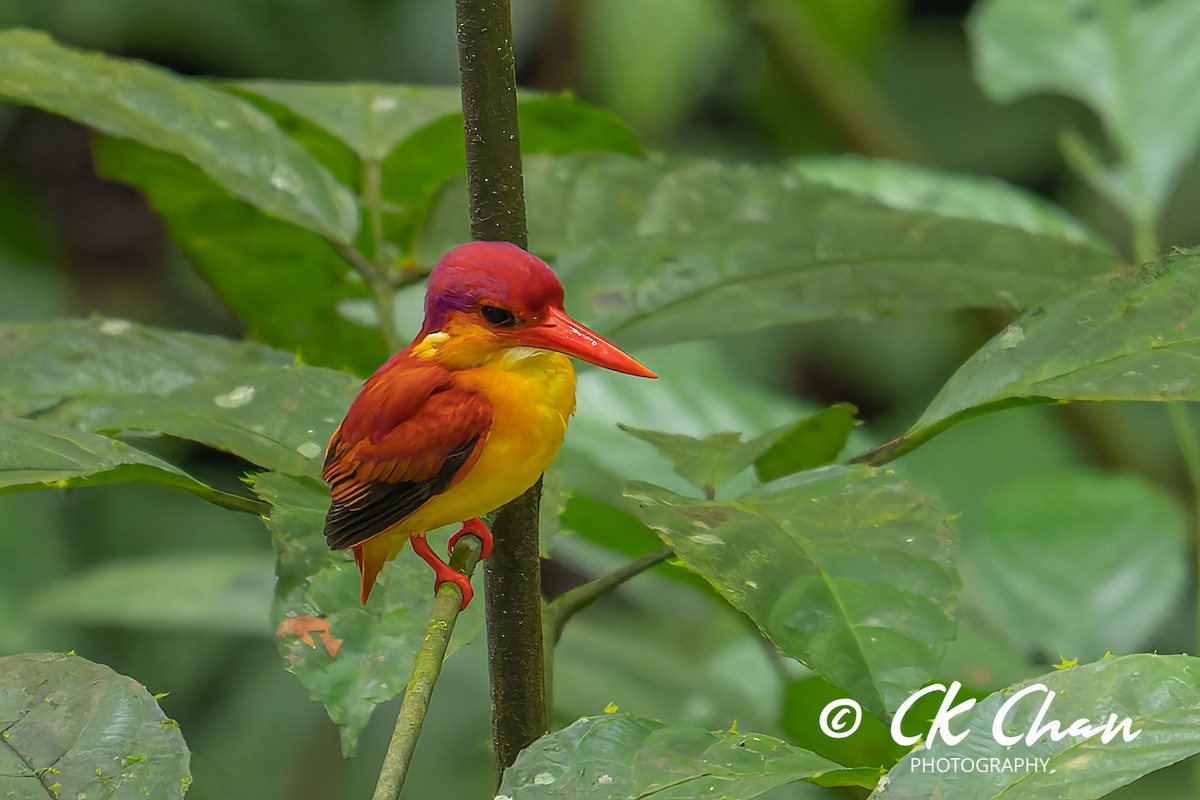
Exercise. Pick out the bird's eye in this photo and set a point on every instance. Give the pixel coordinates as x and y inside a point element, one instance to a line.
<point>498,316</point>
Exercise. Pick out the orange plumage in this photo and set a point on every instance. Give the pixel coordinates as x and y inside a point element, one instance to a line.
<point>466,417</point>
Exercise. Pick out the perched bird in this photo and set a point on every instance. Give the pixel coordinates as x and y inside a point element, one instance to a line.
<point>464,419</point>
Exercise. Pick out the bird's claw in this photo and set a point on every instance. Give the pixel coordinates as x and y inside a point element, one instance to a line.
<point>476,528</point>
<point>444,572</point>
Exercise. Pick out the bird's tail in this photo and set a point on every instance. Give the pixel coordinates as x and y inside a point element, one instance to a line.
<point>372,554</point>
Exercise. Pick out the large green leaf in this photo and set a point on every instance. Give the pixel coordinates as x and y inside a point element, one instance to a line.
<point>1079,563</point>
<point>289,284</point>
<point>371,118</point>
<point>71,728</point>
<point>1126,336</point>
<point>431,156</point>
<point>618,755</point>
<point>847,569</point>
<point>237,146</point>
<point>292,286</point>
<point>41,455</point>
<point>967,197</point>
<point>44,363</point>
<point>211,592</point>
<point>114,376</point>
<point>1160,694</point>
<point>696,393</point>
<point>364,654</point>
<point>672,248</point>
<point>1118,56</point>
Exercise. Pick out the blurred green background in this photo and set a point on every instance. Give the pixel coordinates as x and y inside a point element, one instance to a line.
<point>742,80</point>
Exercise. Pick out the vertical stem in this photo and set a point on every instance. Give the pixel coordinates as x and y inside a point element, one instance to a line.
<point>426,668</point>
<point>495,187</point>
<point>497,205</point>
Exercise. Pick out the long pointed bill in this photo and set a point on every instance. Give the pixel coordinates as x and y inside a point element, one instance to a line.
<point>562,334</point>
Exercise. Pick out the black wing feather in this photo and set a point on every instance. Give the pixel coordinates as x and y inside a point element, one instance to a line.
<point>385,504</point>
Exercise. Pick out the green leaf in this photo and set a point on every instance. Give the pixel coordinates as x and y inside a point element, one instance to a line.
<point>372,646</point>
<point>709,462</point>
<point>113,376</point>
<point>1130,339</point>
<point>1116,56</point>
<point>561,124</point>
<point>810,443</point>
<point>618,755</point>
<point>1079,563</point>
<point>662,650</point>
<point>847,569</point>
<point>870,744</point>
<point>696,393</point>
<point>1161,694</point>
<point>371,118</point>
<point>664,250</point>
<point>237,146</point>
<point>289,284</point>
<point>208,592</point>
<point>44,363</point>
<point>434,155</point>
<point>71,728</point>
<point>42,455</point>
<point>980,198</point>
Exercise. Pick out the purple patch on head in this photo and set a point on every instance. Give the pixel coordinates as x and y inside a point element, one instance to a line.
<point>495,272</point>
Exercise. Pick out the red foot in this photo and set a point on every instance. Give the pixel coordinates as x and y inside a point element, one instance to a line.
<point>475,527</point>
<point>442,570</point>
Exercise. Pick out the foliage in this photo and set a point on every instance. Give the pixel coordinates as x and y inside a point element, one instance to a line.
<point>315,210</point>
<point>75,728</point>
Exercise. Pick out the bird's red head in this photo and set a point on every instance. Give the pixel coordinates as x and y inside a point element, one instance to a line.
<point>516,296</point>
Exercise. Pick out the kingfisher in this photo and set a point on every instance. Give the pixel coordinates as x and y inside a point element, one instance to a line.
<point>465,418</point>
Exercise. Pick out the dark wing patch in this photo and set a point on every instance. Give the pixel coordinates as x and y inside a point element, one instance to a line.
<point>379,505</point>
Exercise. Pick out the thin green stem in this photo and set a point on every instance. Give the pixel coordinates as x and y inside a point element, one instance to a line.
<point>1185,432</point>
<point>569,603</point>
<point>426,669</point>
<point>558,612</point>
<point>372,183</point>
<point>381,289</point>
<point>235,502</point>
<point>1145,239</point>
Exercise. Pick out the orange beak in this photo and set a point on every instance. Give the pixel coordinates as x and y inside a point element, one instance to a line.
<point>562,334</point>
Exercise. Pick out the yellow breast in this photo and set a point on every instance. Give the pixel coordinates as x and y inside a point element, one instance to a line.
<point>532,393</point>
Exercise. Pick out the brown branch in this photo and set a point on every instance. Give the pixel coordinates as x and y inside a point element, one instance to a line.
<point>496,200</point>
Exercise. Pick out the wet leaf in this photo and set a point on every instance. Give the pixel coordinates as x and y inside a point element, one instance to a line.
<point>371,118</point>
<point>44,363</point>
<point>42,455</point>
<point>114,376</point>
<point>1129,336</point>
<point>1161,694</point>
<point>317,594</point>
<point>289,284</point>
<point>618,755</point>
<point>847,569</point>
<point>669,249</point>
<point>953,195</point>
<point>237,146</point>
<point>810,443</point>
<point>709,462</point>
<point>1114,56</point>
<point>71,728</point>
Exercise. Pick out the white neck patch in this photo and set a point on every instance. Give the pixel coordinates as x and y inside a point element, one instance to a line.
<point>514,354</point>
